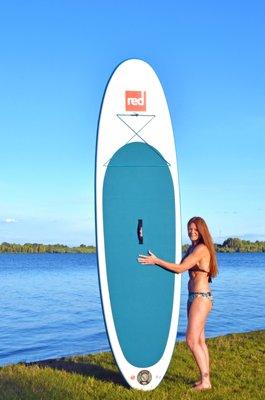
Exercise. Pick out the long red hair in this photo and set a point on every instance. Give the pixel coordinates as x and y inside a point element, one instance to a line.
<point>205,238</point>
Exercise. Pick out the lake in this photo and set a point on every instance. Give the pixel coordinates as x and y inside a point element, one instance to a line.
<point>50,304</point>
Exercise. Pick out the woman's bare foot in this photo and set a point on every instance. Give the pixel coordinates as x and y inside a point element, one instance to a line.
<point>204,383</point>
<point>202,386</point>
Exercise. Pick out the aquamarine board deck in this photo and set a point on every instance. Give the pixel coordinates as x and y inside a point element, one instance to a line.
<point>137,209</point>
<point>130,193</point>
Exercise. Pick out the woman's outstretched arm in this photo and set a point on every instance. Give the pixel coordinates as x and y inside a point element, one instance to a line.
<point>186,263</point>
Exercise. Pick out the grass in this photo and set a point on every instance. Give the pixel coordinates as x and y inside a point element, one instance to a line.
<point>237,364</point>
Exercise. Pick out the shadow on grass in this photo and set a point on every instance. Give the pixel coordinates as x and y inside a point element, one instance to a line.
<point>178,379</point>
<point>85,369</point>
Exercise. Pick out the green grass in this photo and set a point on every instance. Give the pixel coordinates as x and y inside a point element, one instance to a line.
<point>237,364</point>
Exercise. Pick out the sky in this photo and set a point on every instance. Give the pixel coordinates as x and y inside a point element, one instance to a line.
<point>55,60</point>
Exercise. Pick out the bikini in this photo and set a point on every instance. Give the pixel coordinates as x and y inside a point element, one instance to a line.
<point>194,295</point>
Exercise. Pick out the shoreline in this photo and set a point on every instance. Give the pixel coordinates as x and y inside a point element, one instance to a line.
<point>100,352</point>
<point>225,251</point>
<point>230,245</point>
<point>109,351</point>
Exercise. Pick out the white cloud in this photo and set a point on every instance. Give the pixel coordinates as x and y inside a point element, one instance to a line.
<point>9,220</point>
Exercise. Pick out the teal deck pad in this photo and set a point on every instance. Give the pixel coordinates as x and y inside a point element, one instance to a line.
<point>138,186</point>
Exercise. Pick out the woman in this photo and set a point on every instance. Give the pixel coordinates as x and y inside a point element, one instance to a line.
<point>200,261</point>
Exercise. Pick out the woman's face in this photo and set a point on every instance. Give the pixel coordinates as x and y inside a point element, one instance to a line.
<point>193,232</point>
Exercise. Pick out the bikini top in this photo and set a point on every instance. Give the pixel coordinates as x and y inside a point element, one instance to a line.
<point>198,269</point>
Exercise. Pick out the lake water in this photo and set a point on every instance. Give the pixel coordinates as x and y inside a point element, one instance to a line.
<point>50,304</point>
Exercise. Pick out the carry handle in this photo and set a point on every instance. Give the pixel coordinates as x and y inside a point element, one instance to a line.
<point>140,231</point>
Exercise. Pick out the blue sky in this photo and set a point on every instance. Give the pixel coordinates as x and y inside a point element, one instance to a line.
<point>55,60</point>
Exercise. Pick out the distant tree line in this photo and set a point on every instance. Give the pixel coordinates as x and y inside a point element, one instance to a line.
<point>44,248</point>
<point>230,245</point>
<point>235,245</point>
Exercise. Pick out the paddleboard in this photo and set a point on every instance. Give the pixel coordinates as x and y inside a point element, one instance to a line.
<point>137,209</point>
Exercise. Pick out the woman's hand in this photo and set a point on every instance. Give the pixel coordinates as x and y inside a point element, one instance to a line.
<point>150,259</point>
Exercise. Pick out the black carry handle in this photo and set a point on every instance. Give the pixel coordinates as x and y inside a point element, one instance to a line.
<point>140,231</point>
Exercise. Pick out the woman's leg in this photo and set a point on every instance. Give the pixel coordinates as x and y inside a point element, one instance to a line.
<point>206,353</point>
<point>197,316</point>
<point>205,349</point>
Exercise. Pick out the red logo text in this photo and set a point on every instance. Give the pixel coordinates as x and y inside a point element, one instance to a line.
<point>135,100</point>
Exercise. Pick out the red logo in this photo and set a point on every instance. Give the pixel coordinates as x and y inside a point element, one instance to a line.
<point>135,100</point>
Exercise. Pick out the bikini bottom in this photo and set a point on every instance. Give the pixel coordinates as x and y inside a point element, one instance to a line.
<point>193,295</point>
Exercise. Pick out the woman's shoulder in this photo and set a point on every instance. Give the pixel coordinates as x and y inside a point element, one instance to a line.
<point>202,248</point>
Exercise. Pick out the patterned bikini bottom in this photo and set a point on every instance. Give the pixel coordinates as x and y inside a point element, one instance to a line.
<point>193,295</point>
